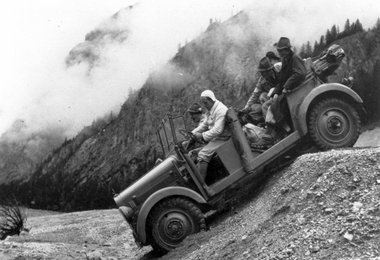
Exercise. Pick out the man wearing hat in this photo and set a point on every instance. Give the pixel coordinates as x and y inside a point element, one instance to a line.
<point>196,113</point>
<point>268,79</point>
<point>291,75</point>
<point>197,117</point>
<point>211,130</point>
<point>272,57</point>
<point>293,71</point>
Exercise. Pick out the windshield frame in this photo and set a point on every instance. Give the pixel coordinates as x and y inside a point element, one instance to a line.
<point>167,132</point>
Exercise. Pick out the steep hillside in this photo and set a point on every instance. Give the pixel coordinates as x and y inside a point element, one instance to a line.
<point>27,143</point>
<point>323,206</point>
<point>85,171</point>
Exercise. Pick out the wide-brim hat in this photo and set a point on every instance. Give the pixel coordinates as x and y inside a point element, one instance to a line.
<point>272,56</point>
<point>283,43</point>
<point>265,64</point>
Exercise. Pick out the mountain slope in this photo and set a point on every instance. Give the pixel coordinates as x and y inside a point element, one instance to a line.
<point>85,171</point>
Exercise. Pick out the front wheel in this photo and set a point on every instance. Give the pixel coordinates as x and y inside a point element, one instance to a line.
<point>333,123</point>
<point>172,221</point>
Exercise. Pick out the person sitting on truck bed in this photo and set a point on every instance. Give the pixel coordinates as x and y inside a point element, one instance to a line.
<point>292,74</point>
<point>211,130</point>
<point>259,102</point>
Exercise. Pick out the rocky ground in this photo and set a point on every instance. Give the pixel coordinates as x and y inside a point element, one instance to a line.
<point>323,206</point>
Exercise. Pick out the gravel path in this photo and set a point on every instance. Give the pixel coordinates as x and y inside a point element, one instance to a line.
<point>323,206</point>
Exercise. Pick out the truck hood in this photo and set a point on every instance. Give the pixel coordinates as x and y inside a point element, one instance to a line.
<point>144,186</point>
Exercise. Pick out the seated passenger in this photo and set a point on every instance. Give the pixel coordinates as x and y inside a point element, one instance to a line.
<point>211,130</point>
<point>196,113</point>
<point>197,117</point>
<point>257,105</point>
<point>292,74</point>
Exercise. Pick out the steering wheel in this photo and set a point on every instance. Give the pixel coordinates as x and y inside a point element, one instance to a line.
<point>187,134</point>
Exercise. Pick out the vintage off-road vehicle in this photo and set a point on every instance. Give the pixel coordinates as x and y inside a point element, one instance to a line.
<point>170,201</point>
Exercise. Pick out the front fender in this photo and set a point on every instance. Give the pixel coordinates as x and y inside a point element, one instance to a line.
<point>155,198</point>
<point>323,89</point>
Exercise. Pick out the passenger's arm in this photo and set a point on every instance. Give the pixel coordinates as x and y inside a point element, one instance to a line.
<point>201,127</point>
<point>253,99</point>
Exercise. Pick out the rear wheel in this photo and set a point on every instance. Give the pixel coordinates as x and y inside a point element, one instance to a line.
<point>172,221</point>
<point>333,123</point>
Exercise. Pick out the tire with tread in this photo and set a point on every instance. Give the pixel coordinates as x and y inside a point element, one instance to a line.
<point>333,123</point>
<point>171,221</point>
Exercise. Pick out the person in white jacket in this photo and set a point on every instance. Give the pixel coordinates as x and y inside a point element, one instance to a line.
<point>211,130</point>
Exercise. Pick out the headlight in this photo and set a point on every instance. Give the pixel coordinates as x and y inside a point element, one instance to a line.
<point>127,212</point>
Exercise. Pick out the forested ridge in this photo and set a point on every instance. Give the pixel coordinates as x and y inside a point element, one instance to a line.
<point>104,158</point>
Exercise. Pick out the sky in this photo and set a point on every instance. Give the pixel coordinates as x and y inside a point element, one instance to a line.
<point>38,35</point>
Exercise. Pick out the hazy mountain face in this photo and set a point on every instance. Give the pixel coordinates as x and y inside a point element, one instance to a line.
<point>111,153</point>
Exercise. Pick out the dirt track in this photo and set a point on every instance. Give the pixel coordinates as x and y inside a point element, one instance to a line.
<point>75,235</point>
<point>323,206</point>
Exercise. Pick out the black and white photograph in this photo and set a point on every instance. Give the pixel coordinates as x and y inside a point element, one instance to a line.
<point>213,129</point>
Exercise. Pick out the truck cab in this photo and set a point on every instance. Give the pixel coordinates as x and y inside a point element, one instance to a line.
<point>170,201</point>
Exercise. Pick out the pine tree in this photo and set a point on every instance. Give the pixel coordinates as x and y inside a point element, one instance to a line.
<point>358,26</point>
<point>329,38</point>
<point>316,49</point>
<point>334,33</point>
<point>377,26</point>
<point>352,28</point>
<point>308,50</point>
<point>347,28</point>
<point>322,41</point>
<point>303,51</point>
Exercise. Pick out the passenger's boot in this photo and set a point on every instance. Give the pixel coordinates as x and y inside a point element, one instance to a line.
<point>202,168</point>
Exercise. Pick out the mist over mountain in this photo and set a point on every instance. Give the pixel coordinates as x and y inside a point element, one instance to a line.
<point>113,151</point>
<point>109,157</point>
<point>92,51</point>
<point>86,83</point>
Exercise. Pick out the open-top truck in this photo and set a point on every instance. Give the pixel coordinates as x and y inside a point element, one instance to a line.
<point>170,201</point>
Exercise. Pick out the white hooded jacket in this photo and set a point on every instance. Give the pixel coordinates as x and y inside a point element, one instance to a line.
<point>213,126</point>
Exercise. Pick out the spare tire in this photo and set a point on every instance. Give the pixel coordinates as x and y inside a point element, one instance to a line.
<point>333,123</point>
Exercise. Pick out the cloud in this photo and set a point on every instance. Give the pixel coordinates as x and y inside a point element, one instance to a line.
<point>42,91</point>
<point>47,85</point>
